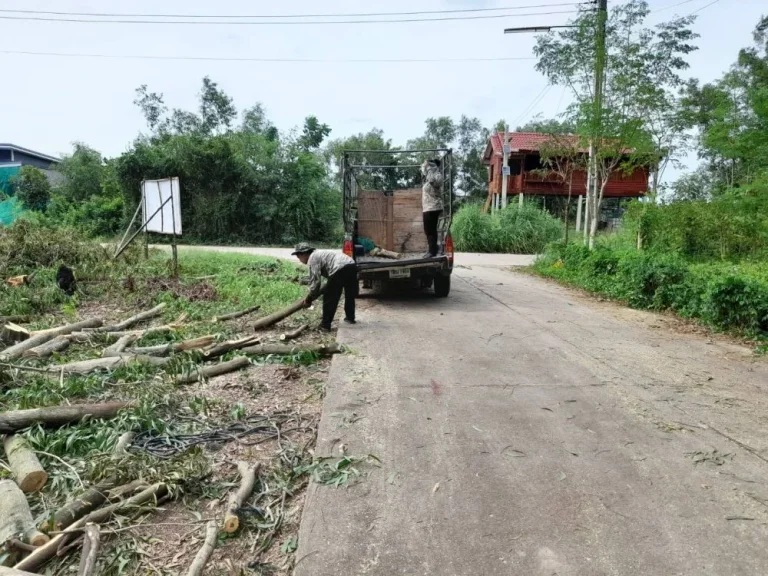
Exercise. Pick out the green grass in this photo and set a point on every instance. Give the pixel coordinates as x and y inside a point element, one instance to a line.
<point>514,230</point>
<point>725,296</point>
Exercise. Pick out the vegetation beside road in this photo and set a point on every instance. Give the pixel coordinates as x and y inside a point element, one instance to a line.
<point>514,230</point>
<point>706,260</point>
<point>277,391</point>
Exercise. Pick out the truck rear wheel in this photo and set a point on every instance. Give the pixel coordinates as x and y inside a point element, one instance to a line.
<point>442,285</point>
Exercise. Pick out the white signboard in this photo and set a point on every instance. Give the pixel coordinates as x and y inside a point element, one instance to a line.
<point>161,206</point>
<point>505,171</point>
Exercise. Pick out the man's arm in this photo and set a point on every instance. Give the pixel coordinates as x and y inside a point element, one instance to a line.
<point>314,281</point>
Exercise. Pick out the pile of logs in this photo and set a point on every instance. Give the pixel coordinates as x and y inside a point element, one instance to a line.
<point>28,547</point>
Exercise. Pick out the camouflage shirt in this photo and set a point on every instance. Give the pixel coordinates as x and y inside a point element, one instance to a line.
<point>324,264</point>
<point>432,191</point>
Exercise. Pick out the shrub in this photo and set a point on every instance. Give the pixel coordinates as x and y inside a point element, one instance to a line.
<point>726,297</point>
<point>32,188</point>
<point>516,230</point>
<point>731,227</point>
<point>27,246</point>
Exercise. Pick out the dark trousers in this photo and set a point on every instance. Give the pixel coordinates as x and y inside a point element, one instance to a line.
<point>344,280</point>
<point>431,219</point>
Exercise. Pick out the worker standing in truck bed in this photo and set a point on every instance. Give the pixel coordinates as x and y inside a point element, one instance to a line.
<point>431,201</point>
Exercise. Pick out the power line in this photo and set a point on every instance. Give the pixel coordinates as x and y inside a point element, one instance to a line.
<point>703,7</point>
<point>270,16</point>
<point>672,6</point>
<point>280,22</point>
<point>267,60</point>
<point>539,97</point>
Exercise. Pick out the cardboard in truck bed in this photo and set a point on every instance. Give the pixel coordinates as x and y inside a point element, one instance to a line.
<point>393,222</point>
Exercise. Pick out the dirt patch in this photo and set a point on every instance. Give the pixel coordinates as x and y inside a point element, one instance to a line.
<point>195,291</point>
<point>173,535</point>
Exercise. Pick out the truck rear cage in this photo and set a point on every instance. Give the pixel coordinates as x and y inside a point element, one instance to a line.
<point>351,185</point>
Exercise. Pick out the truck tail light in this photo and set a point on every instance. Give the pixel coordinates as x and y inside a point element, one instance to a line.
<point>449,248</point>
<point>349,248</point>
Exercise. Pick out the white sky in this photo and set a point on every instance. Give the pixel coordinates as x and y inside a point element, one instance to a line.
<point>47,102</point>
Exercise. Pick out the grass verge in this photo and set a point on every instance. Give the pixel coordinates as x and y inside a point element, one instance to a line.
<point>724,296</point>
<point>207,417</point>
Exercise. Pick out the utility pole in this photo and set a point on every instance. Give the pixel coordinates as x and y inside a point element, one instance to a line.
<point>505,167</point>
<point>592,212</point>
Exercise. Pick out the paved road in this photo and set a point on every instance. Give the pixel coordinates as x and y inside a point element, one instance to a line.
<point>462,259</point>
<point>526,430</point>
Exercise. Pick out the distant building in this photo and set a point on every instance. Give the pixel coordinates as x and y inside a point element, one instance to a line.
<point>525,176</point>
<point>13,157</point>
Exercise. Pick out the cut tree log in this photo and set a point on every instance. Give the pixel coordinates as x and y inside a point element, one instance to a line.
<point>15,516</point>
<point>247,481</point>
<point>44,336</point>
<point>233,315</point>
<point>6,571</point>
<point>221,348</point>
<point>89,501</point>
<point>215,370</point>
<point>382,253</point>
<point>202,556</point>
<point>128,322</point>
<point>86,366</point>
<point>47,551</point>
<point>11,332</point>
<point>294,333</point>
<point>165,349</point>
<point>287,349</point>
<point>18,319</point>
<point>72,511</point>
<point>28,473</point>
<point>123,442</point>
<point>118,347</point>
<point>272,319</point>
<point>53,416</point>
<point>90,555</point>
<point>45,350</point>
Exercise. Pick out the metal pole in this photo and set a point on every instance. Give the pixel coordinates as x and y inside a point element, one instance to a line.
<point>579,202</point>
<point>597,128</point>
<point>143,227</point>
<point>173,241</point>
<point>135,214</point>
<point>504,168</point>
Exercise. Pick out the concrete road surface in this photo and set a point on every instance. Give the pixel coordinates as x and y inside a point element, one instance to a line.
<point>524,429</point>
<point>462,259</point>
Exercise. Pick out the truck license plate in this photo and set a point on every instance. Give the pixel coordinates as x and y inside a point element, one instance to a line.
<point>400,273</point>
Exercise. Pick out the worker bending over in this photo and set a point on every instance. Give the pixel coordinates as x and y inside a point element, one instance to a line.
<point>341,272</point>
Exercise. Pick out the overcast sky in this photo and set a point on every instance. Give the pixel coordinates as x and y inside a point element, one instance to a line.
<point>48,102</point>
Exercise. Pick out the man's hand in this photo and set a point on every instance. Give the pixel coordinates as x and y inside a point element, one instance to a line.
<point>307,301</point>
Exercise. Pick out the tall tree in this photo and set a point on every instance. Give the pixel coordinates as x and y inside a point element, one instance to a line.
<point>642,73</point>
<point>471,140</point>
<point>731,115</point>
<point>313,134</point>
<point>551,126</point>
<point>217,109</point>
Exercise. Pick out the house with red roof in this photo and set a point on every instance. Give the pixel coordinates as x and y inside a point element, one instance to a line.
<point>526,176</point>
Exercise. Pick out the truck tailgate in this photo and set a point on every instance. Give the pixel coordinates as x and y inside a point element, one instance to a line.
<point>407,261</point>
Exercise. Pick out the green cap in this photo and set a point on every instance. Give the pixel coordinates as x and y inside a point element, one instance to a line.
<point>302,248</point>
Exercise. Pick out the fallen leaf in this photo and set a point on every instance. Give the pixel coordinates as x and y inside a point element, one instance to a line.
<point>436,488</point>
<point>476,428</point>
<point>563,476</point>
<point>548,409</point>
<point>391,478</point>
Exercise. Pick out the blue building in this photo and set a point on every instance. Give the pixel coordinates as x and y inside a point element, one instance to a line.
<point>12,158</point>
